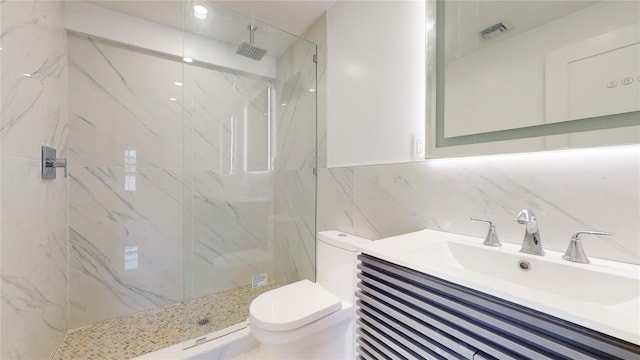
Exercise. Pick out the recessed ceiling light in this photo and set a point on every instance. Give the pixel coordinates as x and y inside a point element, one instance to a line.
<point>200,12</point>
<point>312,90</point>
<point>178,83</point>
<point>173,99</point>
<point>187,59</point>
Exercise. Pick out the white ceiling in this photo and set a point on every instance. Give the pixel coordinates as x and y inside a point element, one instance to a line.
<point>294,17</point>
<point>228,21</point>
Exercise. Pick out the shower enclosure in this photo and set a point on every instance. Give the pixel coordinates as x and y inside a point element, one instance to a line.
<point>191,180</point>
<point>249,154</point>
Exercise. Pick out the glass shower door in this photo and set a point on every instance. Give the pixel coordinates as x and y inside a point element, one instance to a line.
<point>249,156</point>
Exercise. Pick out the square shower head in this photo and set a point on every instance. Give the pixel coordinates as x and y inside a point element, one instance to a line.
<point>251,51</point>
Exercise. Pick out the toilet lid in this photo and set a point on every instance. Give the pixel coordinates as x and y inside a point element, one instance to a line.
<point>292,306</point>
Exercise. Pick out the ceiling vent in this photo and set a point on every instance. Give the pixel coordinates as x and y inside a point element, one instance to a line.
<point>493,31</point>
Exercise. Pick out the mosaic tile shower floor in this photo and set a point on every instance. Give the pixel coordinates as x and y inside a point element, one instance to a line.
<point>134,335</point>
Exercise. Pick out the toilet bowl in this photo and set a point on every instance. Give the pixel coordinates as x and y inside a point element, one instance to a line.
<point>307,320</point>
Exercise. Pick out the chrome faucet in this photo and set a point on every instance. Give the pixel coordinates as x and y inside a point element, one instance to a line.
<point>492,235</point>
<point>575,251</point>
<point>532,243</point>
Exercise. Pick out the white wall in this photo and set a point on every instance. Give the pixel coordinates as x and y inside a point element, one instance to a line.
<point>376,81</point>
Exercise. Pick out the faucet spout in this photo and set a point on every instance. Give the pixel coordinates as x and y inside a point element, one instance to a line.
<point>532,243</point>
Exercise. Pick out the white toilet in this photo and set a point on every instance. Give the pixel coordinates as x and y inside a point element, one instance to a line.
<point>307,320</point>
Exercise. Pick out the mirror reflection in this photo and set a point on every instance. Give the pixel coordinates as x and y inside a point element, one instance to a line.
<point>518,69</point>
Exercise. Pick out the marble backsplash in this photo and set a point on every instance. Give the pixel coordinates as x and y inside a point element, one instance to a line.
<point>572,190</point>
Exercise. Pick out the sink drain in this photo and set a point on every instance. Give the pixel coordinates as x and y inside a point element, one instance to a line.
<point>203,322</point>
<point>524,265</point>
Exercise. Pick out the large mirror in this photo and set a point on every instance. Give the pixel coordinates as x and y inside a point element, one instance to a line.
<point>518,75</point>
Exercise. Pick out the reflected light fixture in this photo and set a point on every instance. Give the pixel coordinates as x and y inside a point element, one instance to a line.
<point>177,83</point>
<point>200,12</point>
<point>187,59</point>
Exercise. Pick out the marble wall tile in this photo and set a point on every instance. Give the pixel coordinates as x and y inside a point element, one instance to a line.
<point>227,112</point>
<point>34,78</point>
<point>569,191</point>
<point>387,200</point>
<point>120,100</point>
<point>34,261</point>
<point>294,225</point>
<point>33,235</point>
<point>205,152</point>
<point>231,239</point>
<point>335,200</point>
<point>125,230</point>
<point>296,119</point>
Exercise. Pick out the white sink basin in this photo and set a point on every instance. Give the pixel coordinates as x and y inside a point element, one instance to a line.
<point>602,295</point>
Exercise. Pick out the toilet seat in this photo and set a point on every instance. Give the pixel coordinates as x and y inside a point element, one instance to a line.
<point>292,306</point>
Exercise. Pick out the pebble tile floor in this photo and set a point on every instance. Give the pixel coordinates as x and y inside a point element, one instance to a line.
<point>133,335</point>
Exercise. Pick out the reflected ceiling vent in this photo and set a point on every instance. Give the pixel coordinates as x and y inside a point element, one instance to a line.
<point>493,31</point>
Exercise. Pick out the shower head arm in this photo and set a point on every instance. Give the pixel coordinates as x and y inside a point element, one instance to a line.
<point>252,31</point>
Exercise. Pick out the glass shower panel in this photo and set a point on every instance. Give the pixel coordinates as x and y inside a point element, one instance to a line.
<point>258,131</point>
<point>238,220</point>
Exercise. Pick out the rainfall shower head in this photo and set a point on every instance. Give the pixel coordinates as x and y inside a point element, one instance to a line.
<point>248,49</point>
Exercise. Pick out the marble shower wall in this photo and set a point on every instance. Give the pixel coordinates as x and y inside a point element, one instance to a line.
<point>295,160</point>
<point>590,189</point>
<point>170,192</point>
<point>230,188</point>
<point>33,216</point>
<point>125,181</point>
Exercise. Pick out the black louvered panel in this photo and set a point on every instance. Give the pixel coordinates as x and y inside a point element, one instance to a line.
<point>599,345</point>
<point>413,347</point>
<point>377,346</point>
<point>482,356</point>
<point>363,354</point>
<point>490,329</point>
<point>427,336</point>
<point>384,302</point>
<point>405,347</point>
<point>465,323</point>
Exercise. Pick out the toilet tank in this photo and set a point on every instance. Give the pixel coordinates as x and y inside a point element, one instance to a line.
<point>336,263</point>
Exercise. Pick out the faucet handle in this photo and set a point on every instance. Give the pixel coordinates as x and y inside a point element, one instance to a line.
<point>575,251</point>
<point>492,235</point>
